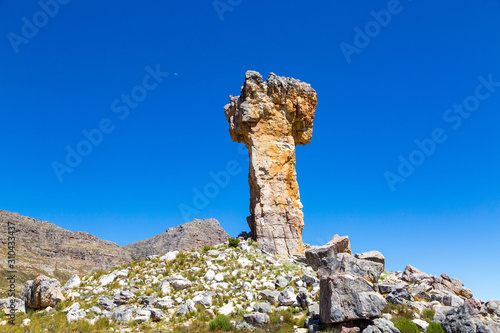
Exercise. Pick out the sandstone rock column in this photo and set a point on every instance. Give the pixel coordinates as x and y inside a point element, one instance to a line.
<point>270,118</point>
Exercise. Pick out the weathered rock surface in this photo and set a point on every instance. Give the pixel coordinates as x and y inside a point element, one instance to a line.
<point>341,244</point>
<point>42,248</point>
<point>270,118</point>
<point>345,263</point>
<point>41,293</point>
<point>374,256</point>
<point>188,236</point>
<point>381,325</point>
<point>315,253</point>
<point>493,307</point>
<point>345,297</point>
<point>468,319</point>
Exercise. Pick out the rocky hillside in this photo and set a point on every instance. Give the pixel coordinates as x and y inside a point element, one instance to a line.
<point>239,288</point>
<point>188,236</point>
<point>44,248</point>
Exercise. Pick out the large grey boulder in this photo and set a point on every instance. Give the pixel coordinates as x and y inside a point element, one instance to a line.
<point>315,253</point>
<point>122,314</point>
<point>345,263</point>
<point>388,287</point>
<point>337,244</point>
<point>142,315</point>
<point>263,307</point>
<point>42,292</point>
<point>256,318</point>
<point>493,307</point>
<point>123,297</point>
<point>157,315</point>
<point>270,295</point>
<point>381,325</point>
<point>73,282</point>
<point>399,295</point>
<point>287,296</point>
<point>105,302</point>
<point>15,304</point>
<point>346,297</point>
<point>412,274</point>
<point>341,244</point>
<point>374,256</point>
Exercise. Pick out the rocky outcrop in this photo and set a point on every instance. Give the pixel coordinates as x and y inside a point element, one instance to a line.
<point>345,297</point>
<point>468,318</point>
<point>188,236</point>
<point>41,293</point>
<point>44,248</point>
<point>270,118</point>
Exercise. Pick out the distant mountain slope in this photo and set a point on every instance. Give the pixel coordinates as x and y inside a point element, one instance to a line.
<point>188,236</point>
<point>44,248</point>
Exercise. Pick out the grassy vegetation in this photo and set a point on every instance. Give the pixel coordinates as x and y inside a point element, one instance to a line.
<point>434,328</point>
<point>405,325</point>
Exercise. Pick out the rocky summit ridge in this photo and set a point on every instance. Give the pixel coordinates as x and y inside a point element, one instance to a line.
<point>43,248</point>
<point>188,236</point>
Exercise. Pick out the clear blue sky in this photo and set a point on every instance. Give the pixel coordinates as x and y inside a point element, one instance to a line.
<point>381,85</point>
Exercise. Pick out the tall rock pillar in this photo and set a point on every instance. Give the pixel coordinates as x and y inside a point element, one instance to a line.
<point>270,118</point>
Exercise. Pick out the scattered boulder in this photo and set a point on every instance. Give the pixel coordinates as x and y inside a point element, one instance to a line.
<point>256,318</point>
<point>263,307</point>
<point>8,304</point>
<point>171,255</point>
<point>41,293</point>
<point>73,282</point>
<point>345,297</point>
<point>227,309</point>
<point>281,282</point>
<point>105,302</point>
<point>123,297</point>
<point>142,315</point>
<point>74,313</point>
<point>179,282</point>
<point>108,278</point>
<point>122,314</point>
<point>157,315</point>
<point>270,295</point>
<point>287,296</point>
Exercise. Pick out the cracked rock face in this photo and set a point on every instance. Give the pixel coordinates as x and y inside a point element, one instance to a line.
<point>270,118</point>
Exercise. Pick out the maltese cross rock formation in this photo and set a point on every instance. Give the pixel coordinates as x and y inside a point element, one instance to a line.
<point>270,118</point>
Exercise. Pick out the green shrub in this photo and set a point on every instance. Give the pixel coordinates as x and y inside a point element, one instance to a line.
<point>428,315</point>
<point>233,242</point>
<point>405,325</point>
<point>434,328</point>
<point>220,322</point>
